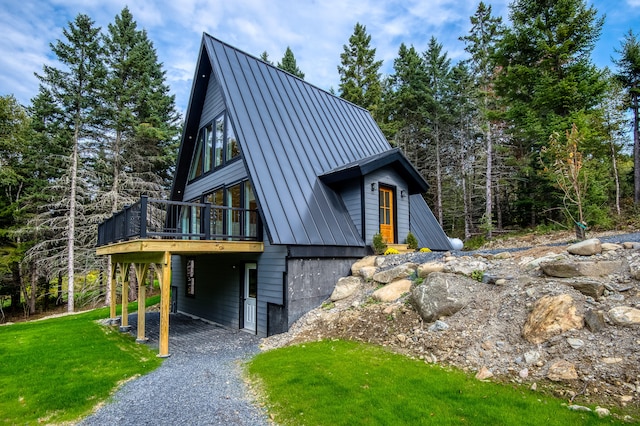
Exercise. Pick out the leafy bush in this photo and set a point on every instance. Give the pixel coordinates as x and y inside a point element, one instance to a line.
<point>425,250</point>
<point>391,250</point>
<point>477,275</point>
<point>411,241</point>
<point>379,246</point>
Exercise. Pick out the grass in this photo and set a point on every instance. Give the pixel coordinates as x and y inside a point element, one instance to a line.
<point>349,383</point>
<point>58,369</point>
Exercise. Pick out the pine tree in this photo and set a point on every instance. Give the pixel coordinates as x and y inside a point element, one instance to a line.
<point>74,89</point>
<point>265,57</point>
<point>481,44</point>
<point>548,83</point>
<point>404,102</point>
<point>289,65</point>
<point>629,75</point>
<point>437,112</point>
<point>138,115</point>
<point>359,72</point>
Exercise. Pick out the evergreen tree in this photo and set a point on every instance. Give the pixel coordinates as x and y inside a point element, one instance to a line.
<point>289,65</point>
<point>404,101</point>
<point>548,83</point>
<point>74,89</point>
<point>481,44</point>
<point>629,75</point>
<point>359,72</point>
<point>265,57</point>
<point>437,113</point>
<point>136,151</point>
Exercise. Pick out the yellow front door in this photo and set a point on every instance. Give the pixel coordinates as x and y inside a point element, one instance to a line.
<point>386,215</point>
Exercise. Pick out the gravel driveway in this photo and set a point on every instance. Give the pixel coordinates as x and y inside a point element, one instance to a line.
<point>199,384</point>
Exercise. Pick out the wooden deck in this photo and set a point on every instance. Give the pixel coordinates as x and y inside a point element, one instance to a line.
<point>140,249</point>
<point>141,253</point>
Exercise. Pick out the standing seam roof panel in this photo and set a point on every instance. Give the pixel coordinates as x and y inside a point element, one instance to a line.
<point>276,135</point>
<point>236,109</point>
<point>286,136</point>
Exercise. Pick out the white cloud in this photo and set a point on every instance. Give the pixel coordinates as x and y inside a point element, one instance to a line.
<point>315,30</point>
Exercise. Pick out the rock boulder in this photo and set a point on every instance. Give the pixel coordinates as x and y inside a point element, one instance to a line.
<point>586,247</point>
<point>442,294</point>
<point>393,291</point>
<point>551,316</point>
<point>625,315</point>
<point>345,287</point>
<point>395,273</point>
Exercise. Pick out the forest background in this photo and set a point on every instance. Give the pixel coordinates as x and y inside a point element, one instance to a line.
<point>525,133</point>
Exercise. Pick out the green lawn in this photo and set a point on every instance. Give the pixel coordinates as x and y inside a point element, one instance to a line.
<point>58,369</point>
<point>348,383</point>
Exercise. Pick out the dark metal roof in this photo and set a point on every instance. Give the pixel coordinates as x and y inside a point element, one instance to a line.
<point>393,157</point>
<point>425,226</point>
<point>290,133</point>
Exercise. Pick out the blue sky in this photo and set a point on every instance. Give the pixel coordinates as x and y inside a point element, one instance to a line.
<point>315,30</point>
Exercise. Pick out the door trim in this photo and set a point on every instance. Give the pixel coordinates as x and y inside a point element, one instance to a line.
<point>249,319</point>
<point>387,201</point>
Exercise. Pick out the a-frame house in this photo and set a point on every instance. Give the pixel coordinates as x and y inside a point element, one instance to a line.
<point>279,187</point>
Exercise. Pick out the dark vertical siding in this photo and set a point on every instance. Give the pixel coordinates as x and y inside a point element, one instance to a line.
<point>271,268</point>
<point>218,290</point>
<point>213,102</point>
<point>232,173</point>
<point>351,194</point>
<point>178,278</point>
<point>385,176</point>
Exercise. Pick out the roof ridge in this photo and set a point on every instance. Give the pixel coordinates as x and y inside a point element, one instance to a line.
<point>281,70</point>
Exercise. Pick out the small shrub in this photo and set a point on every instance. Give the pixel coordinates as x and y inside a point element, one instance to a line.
<point>474,243</point>
<point>418,281</point>
<point>425,250</point>
<point>379,246</point>
<point>411,241</point>
<point>391,250</point>
<point>328,305</point>
<point>477,275</point>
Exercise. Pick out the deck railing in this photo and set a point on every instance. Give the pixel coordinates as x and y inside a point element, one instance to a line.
<point>164,219</point>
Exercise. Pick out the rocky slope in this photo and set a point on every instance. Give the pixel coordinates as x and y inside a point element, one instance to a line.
<point>559,318</point>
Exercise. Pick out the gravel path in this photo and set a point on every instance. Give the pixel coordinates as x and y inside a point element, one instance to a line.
<point>199,384</point>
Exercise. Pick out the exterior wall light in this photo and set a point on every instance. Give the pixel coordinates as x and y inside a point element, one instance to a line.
<point>373,186</point>
<point>402,193</point>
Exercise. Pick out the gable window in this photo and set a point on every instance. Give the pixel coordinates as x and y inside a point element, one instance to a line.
<point>216,145</point>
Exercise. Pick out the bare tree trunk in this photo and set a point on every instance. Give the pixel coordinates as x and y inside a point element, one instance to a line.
<point>489,182</point>
<point>72,223</point>
<point>109,274</point>
<point>34,290</point>
<point>59,292</point>
<point>438,179</point>
<point>636,153</point>
<point>614,164</point>
<point>133,283</point>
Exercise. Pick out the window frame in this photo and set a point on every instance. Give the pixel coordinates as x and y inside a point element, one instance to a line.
<point>206,146</point>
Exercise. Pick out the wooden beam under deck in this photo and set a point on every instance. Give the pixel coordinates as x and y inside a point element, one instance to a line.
<point>152,250</point>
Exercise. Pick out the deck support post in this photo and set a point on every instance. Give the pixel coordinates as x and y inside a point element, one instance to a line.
<point>164,277</point>
<point>124,319</point>
<point>113,320</point>
<point>141,273</point>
